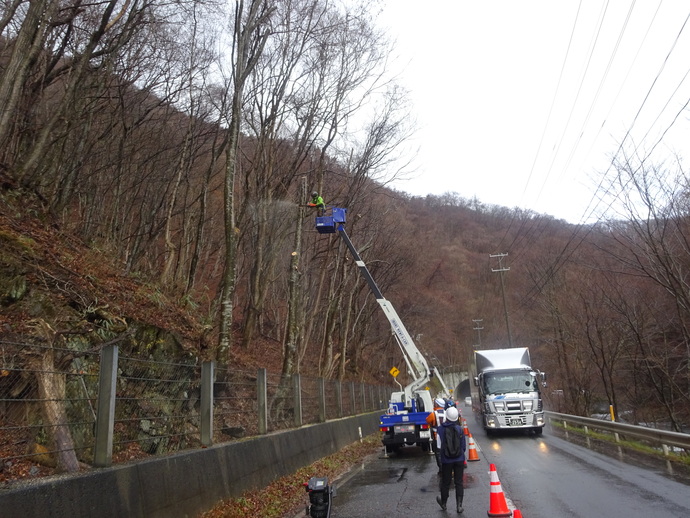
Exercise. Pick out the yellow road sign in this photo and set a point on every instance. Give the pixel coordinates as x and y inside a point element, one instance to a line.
<point>394,372</point>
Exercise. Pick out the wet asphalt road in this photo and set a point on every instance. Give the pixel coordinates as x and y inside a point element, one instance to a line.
<point>542,476</point>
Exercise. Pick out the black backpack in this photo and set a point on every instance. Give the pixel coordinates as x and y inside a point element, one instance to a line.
<point>452,445</point>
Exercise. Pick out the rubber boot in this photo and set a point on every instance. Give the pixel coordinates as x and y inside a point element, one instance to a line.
<point>441,503</point>
<point>459,502</point>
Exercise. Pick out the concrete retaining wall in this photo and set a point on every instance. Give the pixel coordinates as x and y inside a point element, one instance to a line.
<point>184,484</point>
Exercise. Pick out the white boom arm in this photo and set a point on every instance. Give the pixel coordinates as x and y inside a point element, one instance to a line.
<point>416,363</point>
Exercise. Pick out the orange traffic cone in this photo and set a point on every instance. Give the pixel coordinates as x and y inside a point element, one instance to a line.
<point>497,502</point>
<point>517,514</point>
<point>465,430</point>
<point>472,452</point>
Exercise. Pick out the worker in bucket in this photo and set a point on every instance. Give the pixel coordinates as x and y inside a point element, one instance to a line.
<point>452,458</point>
<point>317,202</point>
<point>434,420</point>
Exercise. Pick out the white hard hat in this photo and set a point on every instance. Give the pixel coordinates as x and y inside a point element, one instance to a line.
<point>452,414</point>
<point>440,402</point>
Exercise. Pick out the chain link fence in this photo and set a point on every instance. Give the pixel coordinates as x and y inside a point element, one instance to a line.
<point>156,408</point>
<point>60,407</point>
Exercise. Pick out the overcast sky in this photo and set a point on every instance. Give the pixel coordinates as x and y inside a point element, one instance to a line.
<point>523,103</point>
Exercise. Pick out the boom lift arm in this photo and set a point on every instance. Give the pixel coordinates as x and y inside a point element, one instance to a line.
<point>416,363</point>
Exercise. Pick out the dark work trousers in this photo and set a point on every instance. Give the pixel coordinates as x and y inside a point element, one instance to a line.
<point>448,472</point>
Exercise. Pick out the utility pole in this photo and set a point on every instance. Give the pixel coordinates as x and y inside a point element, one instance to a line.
<point>501,269</point>
<point>478,329</point>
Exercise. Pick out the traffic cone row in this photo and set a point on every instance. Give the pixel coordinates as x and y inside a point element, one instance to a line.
<point>497,500</point>
<point>498,506</point>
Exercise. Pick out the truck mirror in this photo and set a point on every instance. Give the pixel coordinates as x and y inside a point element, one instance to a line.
<point>476,382</point>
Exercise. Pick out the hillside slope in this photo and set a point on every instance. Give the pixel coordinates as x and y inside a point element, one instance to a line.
<point>48,275</point>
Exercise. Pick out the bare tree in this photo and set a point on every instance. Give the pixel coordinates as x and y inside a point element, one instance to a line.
<point>654,243</point>
<point>251,31</point>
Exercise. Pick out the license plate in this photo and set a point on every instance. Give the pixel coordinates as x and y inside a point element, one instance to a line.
<point>515,422</point>
<point>425,434</point>
<point>404,428</point>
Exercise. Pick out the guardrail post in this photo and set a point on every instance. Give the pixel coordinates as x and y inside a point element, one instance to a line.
<point>322,400</point>
<point>105,417</point>
<point>297,387</point>
<point>262,400</point>
<point>206,417</point>
<point>339,397</point>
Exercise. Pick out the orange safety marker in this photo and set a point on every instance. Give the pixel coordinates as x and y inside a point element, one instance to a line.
<point>472,452</point>
<point>497,501</point>
<point>517,514</point>
<point>465,430</point>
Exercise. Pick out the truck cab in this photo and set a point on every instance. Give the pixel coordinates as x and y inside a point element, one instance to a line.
<point>509,391</point>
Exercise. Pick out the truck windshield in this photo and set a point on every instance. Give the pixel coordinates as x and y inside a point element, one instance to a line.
<point>503,383</point>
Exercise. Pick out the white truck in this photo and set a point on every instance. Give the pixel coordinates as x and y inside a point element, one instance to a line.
<point>509,390</point>
<point>404,423</point>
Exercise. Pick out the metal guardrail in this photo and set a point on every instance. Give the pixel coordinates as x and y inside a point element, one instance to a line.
<point>663,437</point>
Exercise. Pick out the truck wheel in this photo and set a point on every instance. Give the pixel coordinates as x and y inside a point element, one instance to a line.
<point>538,431</point>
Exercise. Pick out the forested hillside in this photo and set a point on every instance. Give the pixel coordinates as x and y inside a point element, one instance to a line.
<point>150,181</point>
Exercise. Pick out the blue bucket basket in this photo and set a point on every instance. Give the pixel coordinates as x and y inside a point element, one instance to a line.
<point>329,224</point>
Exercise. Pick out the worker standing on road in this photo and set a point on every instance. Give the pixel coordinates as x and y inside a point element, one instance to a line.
<point>434,420</point>
<point>452,458</point>
<point>317,202</point>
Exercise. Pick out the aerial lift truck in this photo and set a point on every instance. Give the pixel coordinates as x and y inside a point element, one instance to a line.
<point>404,423</point>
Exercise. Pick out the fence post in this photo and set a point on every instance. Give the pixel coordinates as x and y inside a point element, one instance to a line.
<point>352,398</point>
<point>297,387</point>
<point>364,397</point>
<point>322,400</point>
<point>105,418</point>
<point>262,399</point>
<point>206,424</point>
<point>339,397</point>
